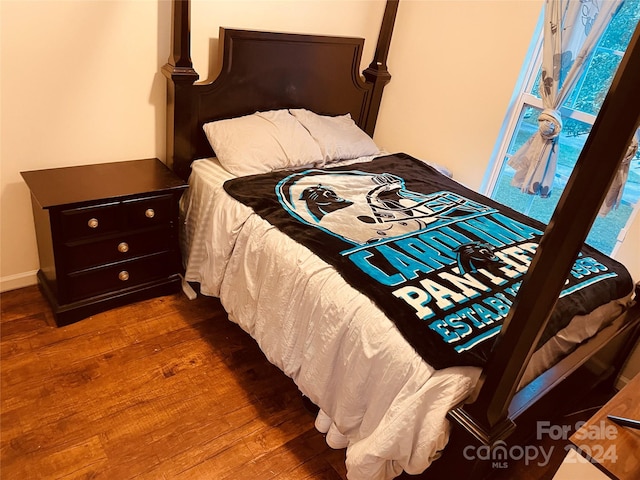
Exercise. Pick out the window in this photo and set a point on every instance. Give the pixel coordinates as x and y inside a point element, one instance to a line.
<point>578,112</point>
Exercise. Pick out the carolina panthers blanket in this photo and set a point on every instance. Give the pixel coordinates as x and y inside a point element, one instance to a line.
<point>440,260</point>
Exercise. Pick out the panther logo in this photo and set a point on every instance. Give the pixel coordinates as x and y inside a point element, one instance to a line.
<point>473,256</point>
<point>321,201</point>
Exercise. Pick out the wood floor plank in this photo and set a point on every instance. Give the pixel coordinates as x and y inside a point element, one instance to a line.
<point>162,389</point>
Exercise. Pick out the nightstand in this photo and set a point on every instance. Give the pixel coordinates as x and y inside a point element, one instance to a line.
<point>107,234</point>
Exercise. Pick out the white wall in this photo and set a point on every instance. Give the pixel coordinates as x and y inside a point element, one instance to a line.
<point>454,67</point>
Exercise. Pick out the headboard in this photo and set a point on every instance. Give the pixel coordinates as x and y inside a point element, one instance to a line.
<point>269,71</point>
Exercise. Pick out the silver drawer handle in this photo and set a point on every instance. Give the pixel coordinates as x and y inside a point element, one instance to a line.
<point>149,213</point>
<point>123,275</point>
<point>93,223</point>
<point>123,247</point>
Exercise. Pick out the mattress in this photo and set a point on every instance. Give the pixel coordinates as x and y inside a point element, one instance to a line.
<point>378,398</point>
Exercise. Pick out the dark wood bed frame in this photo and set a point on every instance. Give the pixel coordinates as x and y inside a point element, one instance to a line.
<point>265,71</point>
<point>293,71</point>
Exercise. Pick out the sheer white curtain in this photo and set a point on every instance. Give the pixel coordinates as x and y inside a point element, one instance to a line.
<point>572,28</point>
<point>613,198</point>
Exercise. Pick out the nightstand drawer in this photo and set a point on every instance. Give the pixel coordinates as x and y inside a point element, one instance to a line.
<point>91,221</point>
<point>144,212</point>
<point>117,248</point>
<point>88,222</point>
<point>119,276</point>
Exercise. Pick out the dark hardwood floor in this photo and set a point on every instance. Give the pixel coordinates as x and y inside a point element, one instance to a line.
<point>162,389</point>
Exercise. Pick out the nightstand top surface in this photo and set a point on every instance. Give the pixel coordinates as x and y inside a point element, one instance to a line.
<point>83,183</point>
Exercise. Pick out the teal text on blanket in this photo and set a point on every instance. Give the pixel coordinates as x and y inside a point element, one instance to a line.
<point>463,303</point>
<point>397,261</point>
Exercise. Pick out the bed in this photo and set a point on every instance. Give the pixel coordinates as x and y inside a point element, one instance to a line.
<point>378,397</point>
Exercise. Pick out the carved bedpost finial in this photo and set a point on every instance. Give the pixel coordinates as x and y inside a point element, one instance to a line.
<point>377,73</point>
<point>179,66</point>
<point>181,76</point>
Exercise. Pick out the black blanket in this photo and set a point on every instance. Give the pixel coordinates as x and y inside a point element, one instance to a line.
<point>440,260</point>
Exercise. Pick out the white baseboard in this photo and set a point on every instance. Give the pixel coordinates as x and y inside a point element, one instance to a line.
<point>12,282</point>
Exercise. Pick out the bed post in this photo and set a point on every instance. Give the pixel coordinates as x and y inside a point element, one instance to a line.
<point>181,77</point>
<point>486,419</point>
<point>377,74</point>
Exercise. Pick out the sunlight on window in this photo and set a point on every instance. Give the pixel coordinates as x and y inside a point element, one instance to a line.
<point>579,111</point>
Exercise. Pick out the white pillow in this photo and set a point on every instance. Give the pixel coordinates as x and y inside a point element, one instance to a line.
<point>339,137</point>
<point>261,142</point>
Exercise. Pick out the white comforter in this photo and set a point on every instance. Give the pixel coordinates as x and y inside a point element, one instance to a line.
<point>378,398</point>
